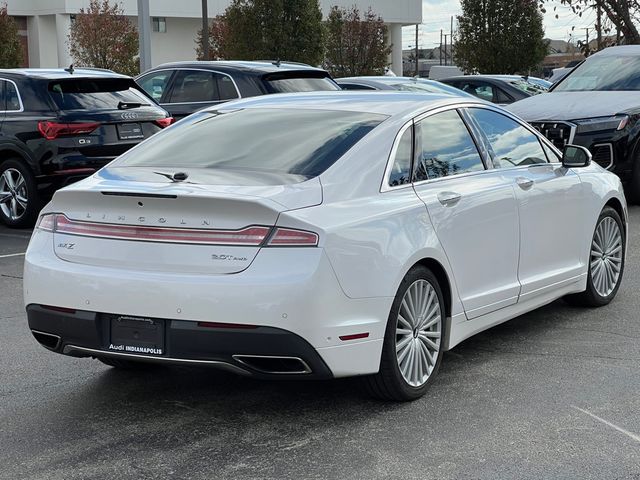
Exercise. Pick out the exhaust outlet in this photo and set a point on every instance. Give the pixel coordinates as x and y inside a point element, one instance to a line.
<point>274,365</point>
<point>47,340</point>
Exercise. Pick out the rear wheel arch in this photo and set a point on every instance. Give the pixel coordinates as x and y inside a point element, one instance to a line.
<point>8,153</point>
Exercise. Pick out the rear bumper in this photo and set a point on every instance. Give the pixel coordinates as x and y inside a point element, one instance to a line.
<point>291,295</point>
<point>260,351</point>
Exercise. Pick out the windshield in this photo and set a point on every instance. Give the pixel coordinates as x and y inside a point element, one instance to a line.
<point>603,73</point>
<point>298,142</point>
<point>528,87</point>
<point>95,94</point>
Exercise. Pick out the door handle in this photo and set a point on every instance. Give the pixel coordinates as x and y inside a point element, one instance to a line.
<point>449,199</point>
<point>524,183</point>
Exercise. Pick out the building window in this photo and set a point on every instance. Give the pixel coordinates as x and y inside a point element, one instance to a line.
<point>159,24</point>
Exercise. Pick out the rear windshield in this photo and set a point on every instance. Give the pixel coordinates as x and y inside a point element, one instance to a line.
<point>298,142</point>
<point>300,84</point>
<point>95,94</point>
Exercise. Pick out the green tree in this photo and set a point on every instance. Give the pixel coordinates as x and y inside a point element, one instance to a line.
<point>356,44</point>
<point>500,36</point>
<point>11,50</point>
<point>101,36</point>
<point>289,30</point>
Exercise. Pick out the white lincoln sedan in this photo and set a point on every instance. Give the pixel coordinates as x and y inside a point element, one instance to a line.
<point>322,235</point>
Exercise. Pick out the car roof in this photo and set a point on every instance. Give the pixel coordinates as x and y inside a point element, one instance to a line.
<point>626,50</point>
<point>263,66</point>
<point>384,102</point>
<point>61,73</point>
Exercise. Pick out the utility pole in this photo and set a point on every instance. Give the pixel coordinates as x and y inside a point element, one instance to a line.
<point>599,27</point>
<point>144,35</point>
<point>440,47</point>
<point>205,30</point>
<point>451,39</point>
<point>445,48</point>
<point>417,53</point>
<point>587,49</point>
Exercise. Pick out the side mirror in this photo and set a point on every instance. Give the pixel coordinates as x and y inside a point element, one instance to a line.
<point>575,156</point>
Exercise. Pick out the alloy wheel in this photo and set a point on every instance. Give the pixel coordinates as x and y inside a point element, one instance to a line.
<point>606,256</point>
<point>13,194</point>
<point>418,333</point>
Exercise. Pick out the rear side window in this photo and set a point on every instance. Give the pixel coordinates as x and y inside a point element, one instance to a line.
<point>201,86</point>
<point>445,147</point>
<point>512,144</point>
<point>300,84</point>
<point>298,142</point>
<point>401,170</point>
<point>12,97</point>
<point>95,94</point>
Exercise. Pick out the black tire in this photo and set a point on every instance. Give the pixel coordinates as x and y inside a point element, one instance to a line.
<point>389,383</point>
<point>123,364</point>
<point>590,297</point>
<point>26,217</point>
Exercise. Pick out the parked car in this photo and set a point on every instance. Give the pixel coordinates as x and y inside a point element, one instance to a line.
<point>499,89</point>
<point>597,106</point>
<point>349,234</point>
<point>405,84</point>
<point>186,87</point>
<point>59,126</point>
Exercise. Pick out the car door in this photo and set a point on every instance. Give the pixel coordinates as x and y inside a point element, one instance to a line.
<point>473,210</point>
<point>192,90</point>
<point>550,202</point>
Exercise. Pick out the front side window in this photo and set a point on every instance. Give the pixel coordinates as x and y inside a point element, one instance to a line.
<point>445,147</point>
<point>270,140</point>
<point>401,169</point>
<point>155,83</point>
<point>480,90</point>
<point>512,145</point>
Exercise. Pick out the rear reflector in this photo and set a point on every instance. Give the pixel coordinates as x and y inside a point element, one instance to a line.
<point>53,130</point>
<point>58,309</point>
<point>355,336</point>
<point>164,122</point>
<point>287,237</point>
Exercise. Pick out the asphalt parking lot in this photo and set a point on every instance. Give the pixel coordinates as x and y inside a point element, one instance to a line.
<point>553,394</point>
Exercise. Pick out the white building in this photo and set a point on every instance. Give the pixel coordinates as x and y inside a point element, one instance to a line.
<point>175,23</point>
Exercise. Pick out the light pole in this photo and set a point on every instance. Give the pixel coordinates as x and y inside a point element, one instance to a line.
<point>144,35</point>
<point>205,31</point>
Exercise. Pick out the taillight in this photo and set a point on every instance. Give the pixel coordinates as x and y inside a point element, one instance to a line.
<point>53,130</point>
<point>249,236</point>
<point>165,122</point>
<point>288,237</point>
<point>252,236</point>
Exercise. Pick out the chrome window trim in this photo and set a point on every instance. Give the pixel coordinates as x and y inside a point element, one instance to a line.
<point>177,69</point>
<point>489,168</point>
<point>19,97</point>
<point>385,187</point>
<point>610,145</point>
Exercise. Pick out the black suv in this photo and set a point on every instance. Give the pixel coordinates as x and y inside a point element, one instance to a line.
<point>185,87</point>
<point>597,105</point>
<point>59,126</point>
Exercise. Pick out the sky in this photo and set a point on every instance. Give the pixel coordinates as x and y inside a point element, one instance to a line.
<point>436,15</point>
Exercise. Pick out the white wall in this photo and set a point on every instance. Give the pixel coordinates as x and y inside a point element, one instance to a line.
<point>178,43</point>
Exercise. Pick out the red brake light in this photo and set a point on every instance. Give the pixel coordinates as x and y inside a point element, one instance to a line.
<point>288,237</point>
<point>53,130</point>
<point>165,122</point>
<point>252,236</point>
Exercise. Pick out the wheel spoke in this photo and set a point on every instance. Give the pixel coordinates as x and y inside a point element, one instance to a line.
<point>428,343</point>
<point>404,322</point>
<point>5,197</point>
<point>8,178</point>
<point>403,343</point>
<point>22,201</point>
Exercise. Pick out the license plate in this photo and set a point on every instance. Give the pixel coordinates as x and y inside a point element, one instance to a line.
<point>129,131</point>
<point>143,336</point>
